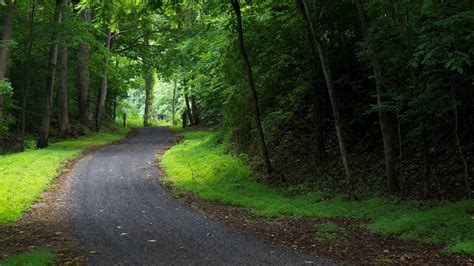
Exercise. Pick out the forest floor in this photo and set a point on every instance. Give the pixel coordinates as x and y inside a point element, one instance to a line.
<point>201,173</point>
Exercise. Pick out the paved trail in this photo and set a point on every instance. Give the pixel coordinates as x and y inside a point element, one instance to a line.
<point>122,214</point>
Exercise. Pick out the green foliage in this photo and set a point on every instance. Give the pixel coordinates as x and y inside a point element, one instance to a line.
<point>33,258</point>
<point>201,165</point>
<point>27,174</point>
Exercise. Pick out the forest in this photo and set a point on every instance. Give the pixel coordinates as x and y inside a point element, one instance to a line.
<point>278,104</point>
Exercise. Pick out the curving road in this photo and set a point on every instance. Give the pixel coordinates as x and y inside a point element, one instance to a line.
<point>123,216</point>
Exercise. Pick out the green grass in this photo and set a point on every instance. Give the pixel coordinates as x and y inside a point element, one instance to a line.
<point>39,257</point>
<point>200,164</point>
<point>25,175</point>
<point>330,233</point>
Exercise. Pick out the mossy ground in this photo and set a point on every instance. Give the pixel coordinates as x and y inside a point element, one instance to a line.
<point>201,164</point>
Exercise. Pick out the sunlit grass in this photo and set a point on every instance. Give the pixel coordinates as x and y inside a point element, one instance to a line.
<point>201,164</point>
<point>39,257</point>
<point>24,176</point>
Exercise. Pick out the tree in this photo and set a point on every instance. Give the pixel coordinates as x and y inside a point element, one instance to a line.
<point>148,88</point>
<point>323,57</point>
<point>248,69</point>
<point>5,52</point>
<point>43,136</point>
<point>63,99</point>
<point>104,84</point>
<point>83,74</point>
<point>385,124</point>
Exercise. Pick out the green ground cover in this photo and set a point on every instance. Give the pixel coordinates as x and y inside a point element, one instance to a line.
<point>200,164</point>
<point>39,257</point>
<point>25,175</point>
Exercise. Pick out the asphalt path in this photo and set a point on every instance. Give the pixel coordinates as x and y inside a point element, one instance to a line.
<point>123,216</point>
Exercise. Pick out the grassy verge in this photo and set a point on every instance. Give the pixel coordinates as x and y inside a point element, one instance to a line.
<point>30,258</point>
<point>25,175</point>
<point>201,165</point>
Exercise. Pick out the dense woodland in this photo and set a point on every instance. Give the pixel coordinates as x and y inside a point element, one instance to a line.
<point>353,96</point>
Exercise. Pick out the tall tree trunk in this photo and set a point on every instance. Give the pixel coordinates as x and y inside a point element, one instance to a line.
<point>173,106</point>
<point>316,97</point>
<point>195,110</point>
<point>83,76</point>
<point>5,49</point>
<point>188,108</point>
<point>248,68</point>
<point>148,88</point>
<point>385,124</point>
<point>27,70</point>
<point>103,87</point>
<point>323,56</point>
<point>43,136</point>
<point>63,99</point>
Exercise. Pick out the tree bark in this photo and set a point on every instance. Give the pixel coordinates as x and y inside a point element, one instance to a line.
<point>386,126</point>
<point>248,68</point>
<point>323,56</point>
<point>194,108</point>
<point>188,108</point>
<point>184,119</point>
<point>27,69</point>
<point>63,99</point>
<point>103,87</point>
<point>173,106</point>
<point>316,97</point>
<point>83,76</point>
<point>5,49</point>
<point>43,136</point>
<point>148,88</point>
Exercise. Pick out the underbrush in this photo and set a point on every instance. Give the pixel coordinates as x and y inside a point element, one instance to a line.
<point>201,164</point>
<point>25,175</point>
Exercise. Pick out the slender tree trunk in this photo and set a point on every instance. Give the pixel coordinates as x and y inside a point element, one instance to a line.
<point>43,136</point>
<point>148,88</point>
<point>83,76</point>
<point>385,124</point>
<point>467,179</point>
<point>188,108</point>
<point>184,118</point>
<point>27,69</point>
<point>103,88</point>
<point>5,49</point>
<point>332,95</point>
<point>316,97</point>
<point>195,110</point>
<point>174,104</point>
<point>248,68</point>
<point>63,99</point>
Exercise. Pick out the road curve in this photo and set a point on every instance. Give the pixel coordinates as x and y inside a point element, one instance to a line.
<point>122,215</point>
